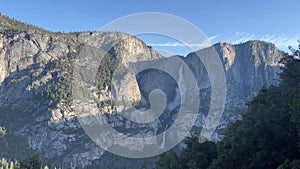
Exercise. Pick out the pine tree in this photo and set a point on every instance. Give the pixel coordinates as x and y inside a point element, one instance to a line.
<point>169,160</point>
<point>290,165</point>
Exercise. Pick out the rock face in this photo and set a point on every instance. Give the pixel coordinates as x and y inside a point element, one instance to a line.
<point>248,67</point>
<point>36,69</point>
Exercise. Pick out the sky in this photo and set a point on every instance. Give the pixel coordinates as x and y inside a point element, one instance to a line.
<point>232,21</point>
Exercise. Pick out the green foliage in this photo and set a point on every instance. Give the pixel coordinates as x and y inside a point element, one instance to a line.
<point>106,71</point>
<point>111,161</point>
<point>265,136</point>
<point>168,160</point>
<point>15,25</point>
<point>60,88</point>
<point>194,156</point>
<point>290,73</point>
<point>295,164</point>
<point>32,162</point>
<point>197,155</point>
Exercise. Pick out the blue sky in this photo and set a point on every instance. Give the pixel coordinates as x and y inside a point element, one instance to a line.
<point>231,21</point>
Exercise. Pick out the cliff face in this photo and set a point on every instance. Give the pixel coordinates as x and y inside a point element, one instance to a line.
<point>251,65</point>
<point>248,67</point>
<point>36,70</point>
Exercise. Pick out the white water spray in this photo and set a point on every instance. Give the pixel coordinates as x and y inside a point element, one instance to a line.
<point>163,143</point>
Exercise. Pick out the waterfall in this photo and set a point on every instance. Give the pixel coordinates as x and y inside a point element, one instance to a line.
<point>177,101</point>
<point>162,145</point>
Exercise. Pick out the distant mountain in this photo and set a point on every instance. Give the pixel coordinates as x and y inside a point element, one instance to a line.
<point>36,74</point>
